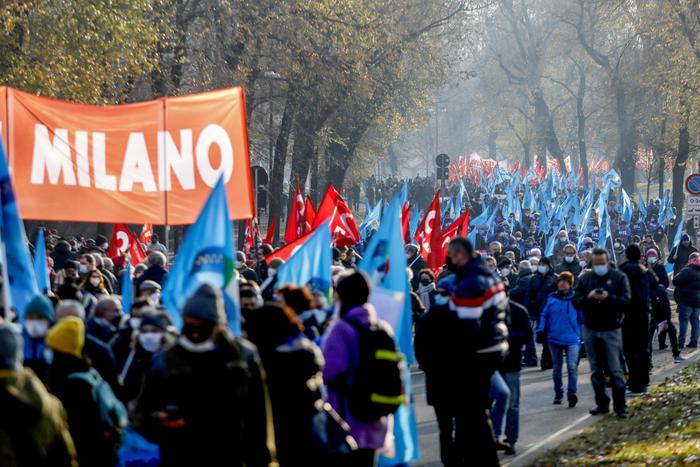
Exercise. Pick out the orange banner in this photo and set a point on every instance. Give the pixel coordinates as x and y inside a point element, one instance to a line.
<point>152,162</point>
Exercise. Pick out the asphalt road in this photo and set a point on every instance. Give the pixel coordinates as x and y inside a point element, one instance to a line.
<point>541,423</point>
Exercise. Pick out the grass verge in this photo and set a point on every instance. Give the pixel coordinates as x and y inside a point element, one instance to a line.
<point>663,429</point>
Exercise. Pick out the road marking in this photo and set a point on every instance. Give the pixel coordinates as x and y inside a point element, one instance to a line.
<point>536,446</point>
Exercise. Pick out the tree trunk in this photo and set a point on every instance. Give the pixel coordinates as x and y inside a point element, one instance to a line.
<point>679,165</point>
<point>303,149</point>
<point>492,143</point>
<point>581,127</point>
<point>527,160</point>
<point>393,161</point>
<point>624,160</point>
<point>541,129</point>
<point>280,160</point>
<point>313,188</point>
<point>662,173</point>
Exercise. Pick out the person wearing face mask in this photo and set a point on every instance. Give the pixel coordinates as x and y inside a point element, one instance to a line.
<point>687,295</point>
<point>427,289</point>
<point>92,289</point>
<point>655,263</point>
<point>680,253</point>
<point>150,290</point>
<point>602,294</point>
<point>38,317</point>
<point>416,262</point>
<point>562,241</point>
<point>151,338</point>
<point>649,243</point>
<point>247,273</point>
<point>505,270</point>
<point>570,262</point>
<point>619,250</point>
<point>661,240</point>
<point>543,283</point>
<point>208,390</point>
<point>561,322</point>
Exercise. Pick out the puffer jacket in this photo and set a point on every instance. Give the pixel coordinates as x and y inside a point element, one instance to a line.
<point>480,301</point>
<point>561,320</point>
<point>687,283</point>
<point>540,288</point>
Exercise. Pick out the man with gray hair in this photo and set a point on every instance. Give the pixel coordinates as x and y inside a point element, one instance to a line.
<point>156,271</point>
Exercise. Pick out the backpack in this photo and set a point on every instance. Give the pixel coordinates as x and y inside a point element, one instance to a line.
<point>377,387</point>
<point>113,415</point>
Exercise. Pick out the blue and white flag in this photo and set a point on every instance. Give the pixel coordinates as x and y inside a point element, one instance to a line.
<point>642,206</point>
<point>206,256</point>
<point>679,233</point>
<point>385,263</point>
<point>626,207</point>
<point>17,266</point>
<point>41,268</point>
<point>311,264</point>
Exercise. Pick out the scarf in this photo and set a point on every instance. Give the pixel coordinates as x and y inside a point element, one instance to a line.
<point>424,294</point>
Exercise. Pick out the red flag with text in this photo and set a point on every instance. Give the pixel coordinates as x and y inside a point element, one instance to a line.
<point>270,231</point>
<point>146,233</point>
<point>295,219</point>
<point>342,223</point>
<point>310,213</point>
<point>427,226</point>
<point>125,242</point>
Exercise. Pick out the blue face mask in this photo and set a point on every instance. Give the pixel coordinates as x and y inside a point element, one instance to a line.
<point>600,269</point>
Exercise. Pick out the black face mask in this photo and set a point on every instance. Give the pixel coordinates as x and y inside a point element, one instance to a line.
<point>198,333</point>
<point>450,265</point>
<point>425,281</point>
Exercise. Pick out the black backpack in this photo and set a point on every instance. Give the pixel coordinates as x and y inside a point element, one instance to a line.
<point>377,387</point>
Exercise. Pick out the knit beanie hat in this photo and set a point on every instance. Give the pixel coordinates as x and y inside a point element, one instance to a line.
<point>566,276</point>
<point>207,304</point>
<point>41,306</point>
<point>67,336</point>
<point>652,252</point>
<point>353,289</point>
<point>10,347</point>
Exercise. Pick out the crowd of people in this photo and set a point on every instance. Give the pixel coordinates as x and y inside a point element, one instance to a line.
<point>87,379</point>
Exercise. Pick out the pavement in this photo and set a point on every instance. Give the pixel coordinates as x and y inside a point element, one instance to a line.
<point>542,424</point>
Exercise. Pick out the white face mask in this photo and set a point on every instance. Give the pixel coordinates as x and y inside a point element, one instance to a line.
<point>206,346</point>
<point>569,259</point>
<point>36,327</point>
<point>505,272</point>
<point>95,282</point>
<point>618,245</point>
<point>652,260</point>
<point>151,341</point>
<point>542,269</point>
<point>135,323</point>
<point>82,269</point>
<point>155,297</point>
<point>582,264</point>
<point>271,272</point>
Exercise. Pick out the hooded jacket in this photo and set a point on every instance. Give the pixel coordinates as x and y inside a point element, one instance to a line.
<point>687,283</point>
<point>681,254</point>
<point>561,320</point>
<point>33,426</point>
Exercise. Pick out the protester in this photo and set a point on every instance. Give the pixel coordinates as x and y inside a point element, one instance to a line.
<point>570,262</point>
<point>602,295</point>
<point>206,391</point>
<point>341,353</point>
<point>635,325</point>
<point>680,254</point>
<point>427,288</point>
<point>33,430</point>
<point>687,295</point>
<point>150,290</point>
<point>38,317</point>
<point>156,246</point>
<point>416,262</point>
<point>156,271</point>
<point>84,394</point>
<point>243,269</point>
<point>105,320</point>
<point>560,321</point>
<point>543,283</point>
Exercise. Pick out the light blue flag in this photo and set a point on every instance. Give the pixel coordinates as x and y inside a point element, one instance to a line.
<point>368,207</point>
<point>605,233</point>
<point>404,192</point>
<point>16,260</point>
<point>642,206</point>
<point>612,178</point>
<point>553,239</point>
<point>127,288</point>
<point>626,207</point>
<point>41,269</point>
<point>372,216</point>
<point>414,221</point>
<point>311,264</point>
<point>385,263</point>
<point>206,256</point>
<point>679,233</point>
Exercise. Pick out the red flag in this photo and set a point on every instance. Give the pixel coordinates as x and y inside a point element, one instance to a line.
<point>427,226</point>
<point>288,250</point>
<point>249,240</point>
<point>124,241</point>
<point>342,223</point>
<point>405,216</point>
<point>295,219</point>
<point>459,228</point>
<point>309,213</point>
<point>146,233</point>
<point>270,231</point>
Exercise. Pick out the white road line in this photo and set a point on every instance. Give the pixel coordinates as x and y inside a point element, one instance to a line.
<point>536,446</point>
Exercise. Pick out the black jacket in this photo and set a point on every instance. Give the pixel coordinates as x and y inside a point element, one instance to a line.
<point>519,333</point>
<point>683,252</point>
<point>687,283</point>
<point>573,267</point>
<point>417,264</point>
<point>661,274</point>
<point>539,289</point>
<point>640,280</point>
<point>603,315</point>
<point>521,292</point>
<point>218,398</point>
<point>154,273</point>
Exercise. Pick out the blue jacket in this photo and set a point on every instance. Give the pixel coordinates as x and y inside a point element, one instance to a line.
<point>561,320</point>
